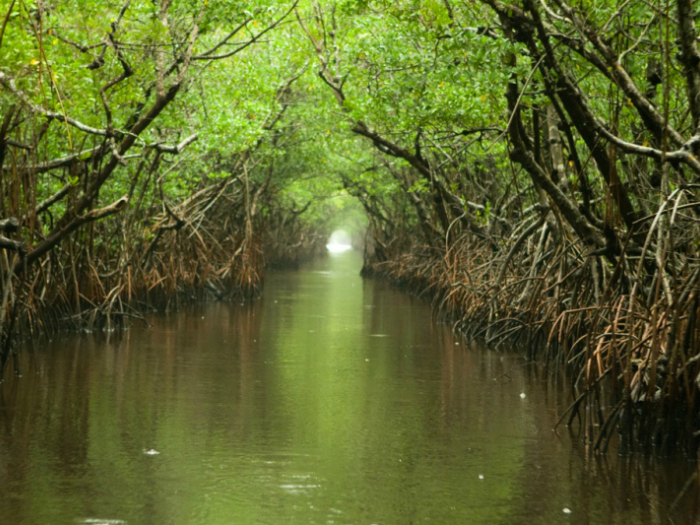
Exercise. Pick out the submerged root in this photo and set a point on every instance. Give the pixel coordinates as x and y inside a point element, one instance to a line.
<point>635,364</point>
<point>114,272</point>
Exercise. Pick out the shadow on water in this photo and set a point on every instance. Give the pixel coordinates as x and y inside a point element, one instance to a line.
<point>329,400</point>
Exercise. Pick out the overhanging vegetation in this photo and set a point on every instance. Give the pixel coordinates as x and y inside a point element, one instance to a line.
<point>533,164</point>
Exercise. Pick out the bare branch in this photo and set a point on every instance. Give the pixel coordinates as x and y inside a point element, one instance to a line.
<point>47,203</point>
<point>16,144</point>
<point>683,155</point>
<point>552,14</point>
<point>176,150</point>
<point>10,85</point>
<point>255,38</point>
<point>127,71</point>
<point>56,163</point>
<point>224,40</point>
<point>80,47</point>
<point>5,20</point>
<point>9,244</point>
<point>50,242</point>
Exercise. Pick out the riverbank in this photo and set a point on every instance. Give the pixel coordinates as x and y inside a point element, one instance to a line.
<point>633,361</point>
<point>167,268</point>
<point>330,398</point>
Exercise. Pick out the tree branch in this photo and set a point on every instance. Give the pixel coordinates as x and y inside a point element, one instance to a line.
<point>10,85</point>
<point>690,56</point>
<point>57,163</point>
<point>176,150</point>
<point>56,237</point>
<point>255,38</point>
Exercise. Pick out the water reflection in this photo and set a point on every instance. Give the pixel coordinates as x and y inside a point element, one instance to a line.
<point>330,400</point>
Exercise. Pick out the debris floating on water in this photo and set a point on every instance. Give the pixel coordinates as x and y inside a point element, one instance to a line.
<point>522,396</point>
<point>151,452</point>
<point>566,510</point>
<point>481,476</point>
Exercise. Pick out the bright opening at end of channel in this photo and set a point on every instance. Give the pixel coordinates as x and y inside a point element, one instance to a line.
<point>339,242</point>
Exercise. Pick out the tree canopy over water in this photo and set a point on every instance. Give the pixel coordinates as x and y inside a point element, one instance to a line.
<point>532,163</point>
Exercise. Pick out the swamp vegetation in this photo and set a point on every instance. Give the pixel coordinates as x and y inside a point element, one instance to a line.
<point>531,165</point>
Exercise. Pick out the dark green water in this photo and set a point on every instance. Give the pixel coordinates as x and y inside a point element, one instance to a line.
<point>330,400</point>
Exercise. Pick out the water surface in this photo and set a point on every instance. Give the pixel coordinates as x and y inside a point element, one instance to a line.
<point>330,400</point>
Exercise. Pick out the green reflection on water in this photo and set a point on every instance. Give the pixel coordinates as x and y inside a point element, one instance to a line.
<point>330,400</point>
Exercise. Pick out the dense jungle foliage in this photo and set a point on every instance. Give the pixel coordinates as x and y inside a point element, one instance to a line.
<point>532,164</point>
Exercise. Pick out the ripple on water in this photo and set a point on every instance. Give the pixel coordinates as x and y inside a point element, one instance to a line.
<point>299,484</point>
<point>292,410</point>
<point>100,521</point>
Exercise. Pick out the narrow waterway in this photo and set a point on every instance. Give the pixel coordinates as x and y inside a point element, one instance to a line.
<point>331,400</point>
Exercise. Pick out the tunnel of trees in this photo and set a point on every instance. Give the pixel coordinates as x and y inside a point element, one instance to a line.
<point>531,165</point>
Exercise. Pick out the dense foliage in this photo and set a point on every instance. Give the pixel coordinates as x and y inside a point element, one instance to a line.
<point>533,164</point>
